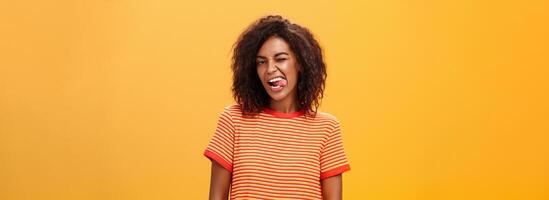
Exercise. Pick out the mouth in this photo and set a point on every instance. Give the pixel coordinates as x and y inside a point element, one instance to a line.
<point>277,83</point>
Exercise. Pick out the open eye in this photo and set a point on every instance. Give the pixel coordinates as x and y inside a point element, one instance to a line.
<point>260,62</point>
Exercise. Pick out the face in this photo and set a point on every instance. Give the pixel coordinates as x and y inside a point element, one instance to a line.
<point>277,68</point>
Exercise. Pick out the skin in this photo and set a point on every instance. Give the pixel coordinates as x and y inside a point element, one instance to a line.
<point>220,182</point>
<point>275,58</point>
<point>332,188</point>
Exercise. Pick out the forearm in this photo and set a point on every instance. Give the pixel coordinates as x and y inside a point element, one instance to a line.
<point>220,182</point>
<point>332,188</point>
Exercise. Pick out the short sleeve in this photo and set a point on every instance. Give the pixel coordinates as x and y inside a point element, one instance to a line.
<point>333,160</point>
<point>221,145</point>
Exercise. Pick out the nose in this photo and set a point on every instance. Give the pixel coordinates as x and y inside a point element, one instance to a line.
<point>272,67</point>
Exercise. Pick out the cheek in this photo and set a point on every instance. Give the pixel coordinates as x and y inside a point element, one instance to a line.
<point>293,74</point>
<point>294,81</point>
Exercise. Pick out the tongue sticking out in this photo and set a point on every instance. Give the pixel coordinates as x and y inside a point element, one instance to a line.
<point>281,83</point>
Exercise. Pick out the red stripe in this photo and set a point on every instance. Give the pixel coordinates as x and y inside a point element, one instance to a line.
<point>219,160</point>
<point>271,156</point>
<point>335,171</point>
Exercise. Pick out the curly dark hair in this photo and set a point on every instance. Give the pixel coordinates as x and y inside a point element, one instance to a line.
<point>247,89</point>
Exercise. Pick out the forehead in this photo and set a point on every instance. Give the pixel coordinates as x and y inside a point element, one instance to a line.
<point>274,45</point>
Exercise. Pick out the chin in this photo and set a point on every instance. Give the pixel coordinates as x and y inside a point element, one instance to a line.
<point>280,95</point>
<point>277,97</point>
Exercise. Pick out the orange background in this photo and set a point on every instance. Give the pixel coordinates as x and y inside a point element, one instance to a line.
<point>118,99</point>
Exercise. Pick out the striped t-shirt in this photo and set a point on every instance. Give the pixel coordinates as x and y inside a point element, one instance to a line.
<point>277,155</point>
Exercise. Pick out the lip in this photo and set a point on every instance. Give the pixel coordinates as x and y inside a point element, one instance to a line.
<point>275,88</point>
<point>273,77</point>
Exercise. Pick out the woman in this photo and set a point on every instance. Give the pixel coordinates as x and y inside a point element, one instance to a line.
<point>274,144</point>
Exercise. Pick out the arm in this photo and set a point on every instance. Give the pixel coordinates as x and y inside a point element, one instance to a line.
<point>332,187</point>
<point>220,182</point>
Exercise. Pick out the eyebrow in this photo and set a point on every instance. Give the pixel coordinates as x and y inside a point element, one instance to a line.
<point>281,53</point>
<point>277,54</point>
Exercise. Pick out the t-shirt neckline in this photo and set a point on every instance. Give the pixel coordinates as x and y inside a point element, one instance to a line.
<point>283,115</point>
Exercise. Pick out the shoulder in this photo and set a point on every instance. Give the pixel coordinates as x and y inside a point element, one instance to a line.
<point>228,114</point>
<point>327,118</point>
<point>232,110</point>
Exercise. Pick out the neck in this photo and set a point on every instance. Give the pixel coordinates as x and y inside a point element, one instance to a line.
<point>287,105</point>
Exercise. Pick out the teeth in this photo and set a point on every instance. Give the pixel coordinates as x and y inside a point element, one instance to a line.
<point>276,79</point>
